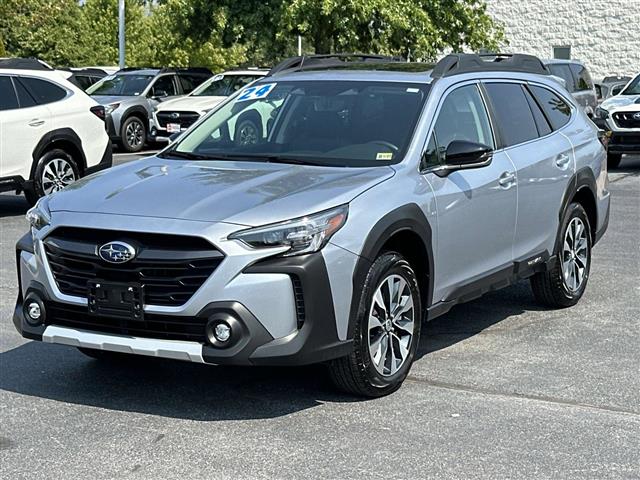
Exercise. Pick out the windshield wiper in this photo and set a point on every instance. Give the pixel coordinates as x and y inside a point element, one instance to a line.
<point>191,156</point>
<point>272,159</point>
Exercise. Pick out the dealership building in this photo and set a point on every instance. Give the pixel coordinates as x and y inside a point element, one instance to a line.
<point>602,34</point>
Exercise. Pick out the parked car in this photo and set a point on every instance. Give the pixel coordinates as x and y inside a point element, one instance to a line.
<point>175,116</point>
<point>619,117</point>
<point>577,80</point>
<point>130,95</point>
<point>83,78</point>
<point>381,193</point>
<point>51,133</point>
<point>609,89</point>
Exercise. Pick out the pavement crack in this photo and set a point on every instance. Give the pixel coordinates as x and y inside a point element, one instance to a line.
<point>521,396</point>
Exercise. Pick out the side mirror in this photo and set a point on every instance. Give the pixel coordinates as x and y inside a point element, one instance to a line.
<point>159,95</point>
<point>464,155</point>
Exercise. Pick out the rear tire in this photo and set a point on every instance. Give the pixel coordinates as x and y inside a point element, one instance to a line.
<point>56,169</point>
<point>384,343</point>
<point>613,160</point>
<point>564,284</point>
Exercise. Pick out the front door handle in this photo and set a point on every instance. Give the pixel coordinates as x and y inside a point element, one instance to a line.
<point>507,180</point>
<point>562,161</point>
<point>36,122</point>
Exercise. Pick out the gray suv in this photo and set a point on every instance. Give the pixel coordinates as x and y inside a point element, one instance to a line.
<point>130,95</point>
<point>577,80</point>
<point>379,194</point>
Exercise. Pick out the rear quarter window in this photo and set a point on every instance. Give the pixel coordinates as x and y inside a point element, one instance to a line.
<point>8,99</point>
<point>557,111</point>
<point>582,78</point>
<point>43,91</point>
<point>514,117</point>
<point>564,73</point>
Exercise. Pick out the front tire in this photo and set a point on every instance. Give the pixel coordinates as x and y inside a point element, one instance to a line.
<point>613,160</point>
<point>564,284</point>
<point>387,330</point>
<point>133,135</point>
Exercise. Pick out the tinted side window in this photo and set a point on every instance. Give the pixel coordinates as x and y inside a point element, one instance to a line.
<point>582,77</point>
<point>24,97</point>
<point>463,117</point>
<point>541,122</point>
<point>616,90</point>
<point>164,84</point>
<point>556,109</point>
<point>8,100</point>
<point>513,113</point>
<point>190,82</point>
<point>563,72</point>
<point>44,91</point>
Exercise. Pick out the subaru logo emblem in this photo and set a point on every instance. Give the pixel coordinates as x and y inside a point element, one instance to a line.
<point>175,115</point>
<point>636,116</point>
<point>116,252</point>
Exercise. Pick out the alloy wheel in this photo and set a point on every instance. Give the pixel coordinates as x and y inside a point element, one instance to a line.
<point>57,174</point>
<point>391,325</point>
<point>575,255</point>
<point>248,134</point>
<point>135,134</point>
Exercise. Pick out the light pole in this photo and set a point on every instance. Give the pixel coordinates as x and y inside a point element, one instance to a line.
<point>121,32</point>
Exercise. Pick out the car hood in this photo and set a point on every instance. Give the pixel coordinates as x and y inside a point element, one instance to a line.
<point>194,104</point>
<point>244,193</point>
<point>622,102</point>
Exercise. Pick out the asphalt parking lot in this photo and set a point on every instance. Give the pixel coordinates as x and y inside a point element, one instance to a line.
<point>501,389</point>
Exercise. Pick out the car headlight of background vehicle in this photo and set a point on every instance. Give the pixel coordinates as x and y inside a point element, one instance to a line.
<point>39,216</point>
<point>110,108</point>
<point>601,113</point>
<point>302,235</point>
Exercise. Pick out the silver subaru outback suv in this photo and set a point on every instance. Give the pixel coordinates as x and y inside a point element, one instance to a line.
<point>379,195</point>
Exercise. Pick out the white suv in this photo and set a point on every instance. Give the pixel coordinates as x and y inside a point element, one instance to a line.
<point>175,116</point>
<point>51,133</point>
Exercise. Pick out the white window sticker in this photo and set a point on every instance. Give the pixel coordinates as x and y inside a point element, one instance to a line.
<point>384,156</point>
<point>256,92</point>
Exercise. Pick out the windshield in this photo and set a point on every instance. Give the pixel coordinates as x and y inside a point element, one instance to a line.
<point>633,88</point>
<point>121,85</point>
<point>338,123</point>
<point>223,85</point>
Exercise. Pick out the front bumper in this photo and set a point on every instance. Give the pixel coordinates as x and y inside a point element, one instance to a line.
<point>255,340</point>
<point>624,142</point>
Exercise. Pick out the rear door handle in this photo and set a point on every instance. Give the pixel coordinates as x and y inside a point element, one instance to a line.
<point>507,180</point>
<point>562,161</point>
<point>36,123</point>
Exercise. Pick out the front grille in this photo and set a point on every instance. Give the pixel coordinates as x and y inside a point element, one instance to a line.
<point>166,327</point>
<point>626,120</point>
<point>625,140</point>
<point>185,119</point>
<point>171,268</point>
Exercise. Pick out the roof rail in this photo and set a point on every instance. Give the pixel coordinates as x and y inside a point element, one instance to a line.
<point>458,63</point>
<point>300,63</point>
<point>186,70</point>
<point>24,64</point>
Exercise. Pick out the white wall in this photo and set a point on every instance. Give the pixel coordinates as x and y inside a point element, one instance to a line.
<point>605,35</point>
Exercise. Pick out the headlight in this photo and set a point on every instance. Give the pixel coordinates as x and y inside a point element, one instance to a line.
<point>110,108</point>
<point>39,216</point>
<point>602,113</point>
<point>302,235</point>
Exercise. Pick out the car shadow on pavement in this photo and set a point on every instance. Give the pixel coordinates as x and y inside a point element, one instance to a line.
<point>13,205</point>
<point>209,393</point>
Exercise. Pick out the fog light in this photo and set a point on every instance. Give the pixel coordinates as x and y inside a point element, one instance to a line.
<point>222,332</point>
<point>33,310</point>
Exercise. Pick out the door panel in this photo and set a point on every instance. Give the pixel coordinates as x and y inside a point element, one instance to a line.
<point>476,218</point>
<point>476,208</point>
<point>544,169</point>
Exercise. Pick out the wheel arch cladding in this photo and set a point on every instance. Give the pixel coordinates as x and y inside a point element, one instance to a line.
<point>64,139</point>
<point>405,230</point>
<point>136,111</point>
<point>582,189</point>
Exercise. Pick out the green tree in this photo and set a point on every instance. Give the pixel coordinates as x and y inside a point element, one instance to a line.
<point>422,28</point>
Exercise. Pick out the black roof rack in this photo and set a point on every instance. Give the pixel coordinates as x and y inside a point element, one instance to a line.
<point>87,70</point>
<point>300,63</point>
<point>169,69</point>
<point>24,64</point>
<point>458,63</point>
